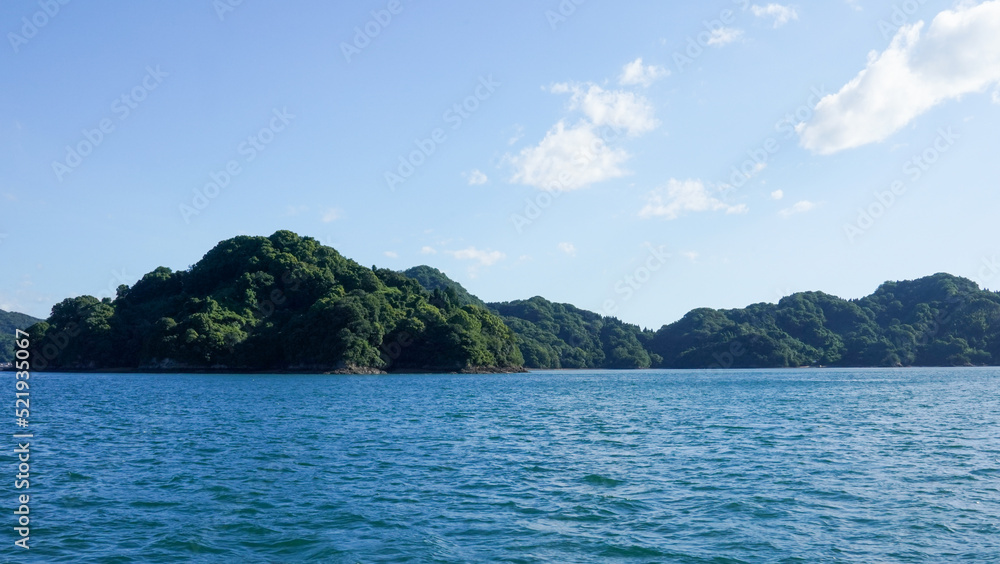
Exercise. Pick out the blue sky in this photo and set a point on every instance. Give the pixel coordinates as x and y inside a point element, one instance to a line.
<point>637,159</point>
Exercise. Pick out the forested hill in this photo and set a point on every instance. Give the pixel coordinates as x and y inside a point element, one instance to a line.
<point>552,335</point>
<point>433,279</point>
<point>286,302</point>
<point>939,320</point>
<point>10,321</point>
<point>282,302</point>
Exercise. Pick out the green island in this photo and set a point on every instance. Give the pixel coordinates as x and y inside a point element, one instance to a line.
<point>288,303</point>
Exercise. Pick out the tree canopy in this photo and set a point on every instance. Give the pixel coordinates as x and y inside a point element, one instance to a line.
<point>282,302</point>
<point>10,322</point>
<point>286,302</point>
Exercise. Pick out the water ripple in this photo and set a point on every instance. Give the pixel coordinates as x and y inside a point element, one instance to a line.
<point>856,466</point>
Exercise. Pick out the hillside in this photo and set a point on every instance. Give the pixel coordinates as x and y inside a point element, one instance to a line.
<point>939,320</point>
<point>10,321</point>
<point>433,279</point>
<point>286,302</point>
<point>282,302</point>
<point>551,335</point>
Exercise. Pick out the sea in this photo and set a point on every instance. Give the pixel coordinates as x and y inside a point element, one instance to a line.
<point>725,466</point>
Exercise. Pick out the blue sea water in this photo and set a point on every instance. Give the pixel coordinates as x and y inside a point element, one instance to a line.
<point>865,466</point>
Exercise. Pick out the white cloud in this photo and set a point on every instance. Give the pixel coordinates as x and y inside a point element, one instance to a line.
<point>799,207</point>
<point>781,14</point>
<point>618,109</point>
<point>958,54</point>
<point>567,248</point>
<point>636,73</point>
<point>485,258</point>
<point>476,177</point>
<point>690,255</point>
<point>681,196</point>
<point>571,157</point>
<point>391,254</point>
<point>428,251</point>
<point>996,96</point>
<point>568,159</point>
<point>724,35</point>
<point>777,194</point>
<point>854,4</point>
<point>332,214</point>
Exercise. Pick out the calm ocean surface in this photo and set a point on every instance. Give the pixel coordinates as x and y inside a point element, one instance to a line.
<point>864,466</point>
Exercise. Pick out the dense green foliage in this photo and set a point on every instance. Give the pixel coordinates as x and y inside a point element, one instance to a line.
<point>288,303</point>
<point>940,320</point>
<point>552,335</point>
<point>278,302</point>
<point>433,279</point>
<point>10,322</point>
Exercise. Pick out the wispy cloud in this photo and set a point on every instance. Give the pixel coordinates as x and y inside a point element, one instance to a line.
<point>568,159</point>
<point>780,14</point>
<point>618,109</point>
<point>797,208</point>
<point>391,254</point>
<point>574,156</point>
<point>332,214</point>
<point>567,248</point>
<point>680,196</point>
<point>483,257</point>
<point>428,250</point>
<point>959,53</point>
<point>724,36</point>
<point>476,177</point>
<point>777,194</point>
<point>635,73</point>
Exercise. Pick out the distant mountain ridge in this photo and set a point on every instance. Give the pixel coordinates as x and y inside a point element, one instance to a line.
<point>10,321</point>
<point>938,320</point>
<point>287,303</point>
